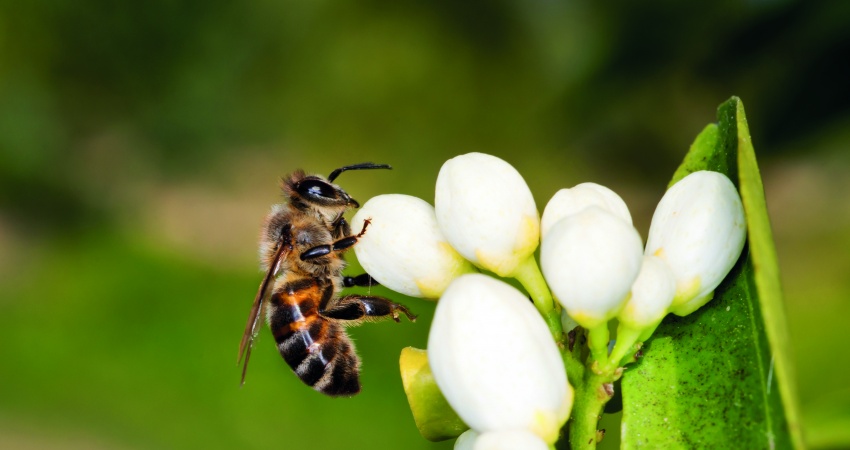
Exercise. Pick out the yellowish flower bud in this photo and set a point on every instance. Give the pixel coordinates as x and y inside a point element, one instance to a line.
<point>567,202</point>
<point>495,361</point>
<point>500,440</point>
<point>590,260</point>
<point>487,212</point>
<point>652,293</point>
<point>699,229</point>
<point>403,247</point>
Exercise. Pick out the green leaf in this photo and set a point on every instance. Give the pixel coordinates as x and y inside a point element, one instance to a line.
<point>722,376</point>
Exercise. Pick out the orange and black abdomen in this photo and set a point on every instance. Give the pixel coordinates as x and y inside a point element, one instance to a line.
<point>317,349</point>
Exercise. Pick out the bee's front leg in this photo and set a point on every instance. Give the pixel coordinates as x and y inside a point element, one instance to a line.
<point>337,246</point>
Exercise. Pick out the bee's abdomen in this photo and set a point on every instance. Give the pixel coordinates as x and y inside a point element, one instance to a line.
<point>316,349</point>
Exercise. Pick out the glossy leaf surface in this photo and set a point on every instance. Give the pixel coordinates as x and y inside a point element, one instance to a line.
<point>721,377</point>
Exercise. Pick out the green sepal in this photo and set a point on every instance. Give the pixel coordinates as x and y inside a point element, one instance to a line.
<point>434,418</point>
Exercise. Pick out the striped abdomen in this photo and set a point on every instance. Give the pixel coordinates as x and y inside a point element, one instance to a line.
<point>317,349</point>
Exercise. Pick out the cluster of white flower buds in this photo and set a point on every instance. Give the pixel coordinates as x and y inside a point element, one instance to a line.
<point>491,352</point>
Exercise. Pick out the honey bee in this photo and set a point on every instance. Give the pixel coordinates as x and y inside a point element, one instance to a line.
<point>301,250</point>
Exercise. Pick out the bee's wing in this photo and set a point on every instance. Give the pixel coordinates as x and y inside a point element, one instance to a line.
<point>252,327</point>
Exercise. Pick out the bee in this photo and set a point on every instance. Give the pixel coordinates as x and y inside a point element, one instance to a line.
<point>302,243</point>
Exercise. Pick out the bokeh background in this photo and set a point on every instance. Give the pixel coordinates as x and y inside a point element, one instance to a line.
<point>141,144</point>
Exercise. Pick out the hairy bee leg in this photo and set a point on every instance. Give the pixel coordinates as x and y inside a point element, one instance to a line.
<point>349,241</point>
<point>365,225</point>
<point>364,280</point>
<point>342,244</point>
<point>340,227</point>
<point>358,308</point>
<point>315,252</point>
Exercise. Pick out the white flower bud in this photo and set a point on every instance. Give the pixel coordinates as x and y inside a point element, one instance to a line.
<point>699,229</point>
<point>590,261</point>
<point>487,212</point>
<point>652,293</point>
<point>495,361</point>
<point>403,248</point>
<point>500,440</point>
<point>567,202</point>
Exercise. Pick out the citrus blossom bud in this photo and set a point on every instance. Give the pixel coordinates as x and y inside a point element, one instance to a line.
<point>487,212</point>
<point>652,293</point>
<point>590,261</point>
<point>570,201</point>
<point>699,229</point>
<point>494,359</point>
<point>500,440</point>
<point>403,248</point>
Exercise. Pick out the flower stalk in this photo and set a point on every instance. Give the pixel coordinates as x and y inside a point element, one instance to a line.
<point>591,397</point>
<point>529,275</point>
<point>594,387</point>
<point>625,346</point>
<point>597,339</point>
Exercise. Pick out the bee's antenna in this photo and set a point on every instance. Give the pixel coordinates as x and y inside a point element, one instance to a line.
<point>360,166</point>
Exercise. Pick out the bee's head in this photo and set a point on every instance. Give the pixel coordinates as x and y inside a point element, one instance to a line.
<point>321,194</point>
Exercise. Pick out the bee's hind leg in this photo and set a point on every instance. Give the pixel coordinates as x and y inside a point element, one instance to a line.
<point>359,308</point>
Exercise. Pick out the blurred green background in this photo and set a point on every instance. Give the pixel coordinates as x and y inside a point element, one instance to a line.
<point>141,144</point>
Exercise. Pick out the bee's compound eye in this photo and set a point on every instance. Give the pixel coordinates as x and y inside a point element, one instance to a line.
<point>316,188</point>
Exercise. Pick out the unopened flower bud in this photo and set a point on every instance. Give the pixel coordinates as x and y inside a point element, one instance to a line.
<point>699,229</point>
<point>487,212</point>
<point>500,440</point>
<point>494,359</point>
<point>571,201</point>
<point>590,261</point>
<point>652,293</point>
<point>403,248</point>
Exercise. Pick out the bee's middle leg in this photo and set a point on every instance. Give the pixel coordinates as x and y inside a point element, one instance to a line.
<point>364,280</point>
<point>358,308</point>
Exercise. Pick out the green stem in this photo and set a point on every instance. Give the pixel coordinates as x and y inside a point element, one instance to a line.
<point>591,396</point>
<point>529,275</point>
<point>626,339</point>
<point>573,361</point>
<point>594,380</point>
<point>598,341</point>
<point>593,384</point>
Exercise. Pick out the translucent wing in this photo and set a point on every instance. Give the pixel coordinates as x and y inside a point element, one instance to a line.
<point>252,328</point>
